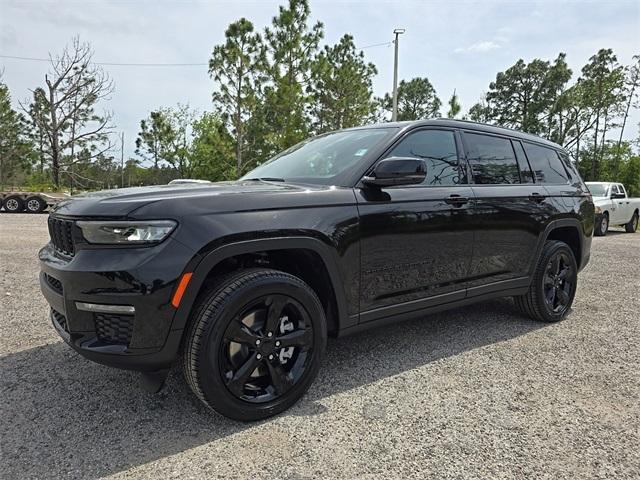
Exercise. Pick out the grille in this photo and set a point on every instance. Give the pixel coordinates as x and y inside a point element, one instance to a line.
<point>54,283</point>
<point>60,232</point>
<point>60,319</point>
<point>115,329</point>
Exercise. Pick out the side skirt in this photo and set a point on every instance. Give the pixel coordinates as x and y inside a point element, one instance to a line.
<point>400,316</point>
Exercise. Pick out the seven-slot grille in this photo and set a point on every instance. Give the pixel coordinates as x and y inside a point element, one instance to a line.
<point>60,232</point>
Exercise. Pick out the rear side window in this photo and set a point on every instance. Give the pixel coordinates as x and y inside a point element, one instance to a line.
<point>622,190</point>
<point>438,149</point>
<point>526,175</point>
<point>574,176</point>
<point>546,164</point>
<point>492,159</point>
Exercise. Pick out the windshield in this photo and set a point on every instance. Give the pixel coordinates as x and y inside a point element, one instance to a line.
<point>598,189</point>
<point>321,159</point>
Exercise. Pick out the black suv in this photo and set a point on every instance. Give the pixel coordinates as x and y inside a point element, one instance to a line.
<point>243,281</point>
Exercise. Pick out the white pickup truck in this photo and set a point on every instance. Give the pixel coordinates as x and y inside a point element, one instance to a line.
<point>613,207</point>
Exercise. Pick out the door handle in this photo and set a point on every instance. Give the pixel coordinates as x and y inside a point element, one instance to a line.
<point>456,200</point>
<point>536,197</point>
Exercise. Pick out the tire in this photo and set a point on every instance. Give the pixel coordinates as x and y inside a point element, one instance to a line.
<point>632,225</point>
<point>561,277</point>
<point>35,205</point>
<point>244,379</point>
<point>13,204</point>
<point>602,226</point>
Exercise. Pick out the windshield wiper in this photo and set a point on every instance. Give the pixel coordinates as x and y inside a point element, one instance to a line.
<point>265,179</point>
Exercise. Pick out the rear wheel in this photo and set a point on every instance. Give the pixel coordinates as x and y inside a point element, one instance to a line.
<point>632,225</point>
<point>553,287</point>
<point>602,226</point>
<point>35,204</point>
<point>13,204</point>
<point>255,344</point>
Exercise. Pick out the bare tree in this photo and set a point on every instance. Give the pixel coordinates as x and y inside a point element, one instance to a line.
<point>68,122</point>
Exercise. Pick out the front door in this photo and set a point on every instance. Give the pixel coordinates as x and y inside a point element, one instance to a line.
<point>416,244</point>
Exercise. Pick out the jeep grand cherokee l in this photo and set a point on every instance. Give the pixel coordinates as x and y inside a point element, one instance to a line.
<point>243,281</point>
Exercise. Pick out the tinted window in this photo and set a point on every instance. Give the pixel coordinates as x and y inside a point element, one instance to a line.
<point>570,168</point>
<point>438,149</point>
<point>526,175</point>
<point>322,159</point>
<point>492,159</point>
<point>545,164</point>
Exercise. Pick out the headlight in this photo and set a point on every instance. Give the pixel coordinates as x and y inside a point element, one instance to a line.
<point>134,232</point>
<point>598,210</point>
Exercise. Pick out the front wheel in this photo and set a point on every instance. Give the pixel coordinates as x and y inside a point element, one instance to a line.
<point>255,344</point>
<point>602,226</point>
<point>632,225</point>
<point>553,287</point>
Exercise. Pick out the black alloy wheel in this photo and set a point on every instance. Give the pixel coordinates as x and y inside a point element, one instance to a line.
<point>553,286</point>
<point>254,344</point>
<point>558,282</point>
<point>266,348</point>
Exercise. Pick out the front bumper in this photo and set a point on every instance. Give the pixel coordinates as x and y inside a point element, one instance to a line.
<point>143,278</point>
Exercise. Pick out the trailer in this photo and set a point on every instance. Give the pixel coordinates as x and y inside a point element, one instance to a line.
<point>29,202</point>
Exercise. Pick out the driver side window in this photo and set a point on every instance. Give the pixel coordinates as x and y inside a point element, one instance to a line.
<point>438,150</point>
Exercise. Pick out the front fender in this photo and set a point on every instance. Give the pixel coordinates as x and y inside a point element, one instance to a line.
<point>202,265</point>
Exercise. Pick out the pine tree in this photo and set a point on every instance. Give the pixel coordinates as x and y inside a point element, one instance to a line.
<point>341,87</point>
<point>237,68</point>
<point>454,106</point>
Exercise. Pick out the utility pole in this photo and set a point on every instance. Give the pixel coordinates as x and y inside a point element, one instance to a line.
<point>394,113</point>
<point>122,160</point>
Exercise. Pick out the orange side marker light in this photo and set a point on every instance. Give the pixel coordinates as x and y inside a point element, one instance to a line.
<point>182,287</point>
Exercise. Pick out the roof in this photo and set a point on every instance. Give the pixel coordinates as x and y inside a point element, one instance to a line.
<point>469,125</point>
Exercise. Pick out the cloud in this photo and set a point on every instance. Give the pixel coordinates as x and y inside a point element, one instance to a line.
<point>479,47</point>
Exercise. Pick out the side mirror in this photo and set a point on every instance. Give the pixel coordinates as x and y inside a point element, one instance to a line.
<point>617,195</point>
<point>397,171</point>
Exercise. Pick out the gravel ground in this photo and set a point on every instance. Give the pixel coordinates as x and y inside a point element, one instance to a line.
<point>478,392</point>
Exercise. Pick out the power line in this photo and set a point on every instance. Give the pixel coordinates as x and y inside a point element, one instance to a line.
<point>112,64</point>
<point>385,44</point>
<point>124,64</point>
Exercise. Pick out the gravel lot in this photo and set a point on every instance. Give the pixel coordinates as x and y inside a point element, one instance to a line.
<point>478,392</point>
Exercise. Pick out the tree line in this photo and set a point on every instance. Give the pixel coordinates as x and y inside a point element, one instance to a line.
<point>276,87</point>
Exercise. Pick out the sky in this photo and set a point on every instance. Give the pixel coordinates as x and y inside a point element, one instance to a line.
<point>458,44</point>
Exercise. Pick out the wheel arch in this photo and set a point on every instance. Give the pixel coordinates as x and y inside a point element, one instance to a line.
<point>567,230</point>
<point>283,253</point>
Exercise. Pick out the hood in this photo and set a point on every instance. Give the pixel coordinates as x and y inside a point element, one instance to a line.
<point>598,201</point>
<point>174,199</point>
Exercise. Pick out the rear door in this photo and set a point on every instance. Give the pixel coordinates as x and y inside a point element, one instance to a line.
<point>416,244</point>
<point>617,206</point>
<point>625,209</point>
<point>509,215</point>
<point>563,188</point>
